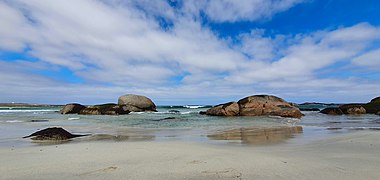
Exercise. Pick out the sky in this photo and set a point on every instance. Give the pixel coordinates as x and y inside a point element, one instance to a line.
<point>181,52</point>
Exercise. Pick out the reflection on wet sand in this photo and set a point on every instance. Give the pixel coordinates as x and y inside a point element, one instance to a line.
<point>108,137</point>
<point>97,137</point>
<point>258,135</point>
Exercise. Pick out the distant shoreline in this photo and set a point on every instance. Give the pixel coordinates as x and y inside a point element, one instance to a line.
<point>25,105</point>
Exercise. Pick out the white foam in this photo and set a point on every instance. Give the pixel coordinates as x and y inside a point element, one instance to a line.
<point>75,118</point>
<point>20,110</point>
<point>193,107</point>
<point>13,121</point>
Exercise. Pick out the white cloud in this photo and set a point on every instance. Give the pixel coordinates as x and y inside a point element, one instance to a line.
<point>310,54</point>
<point>239,10</point>
<point>120,47</point>
<point>370,59</point>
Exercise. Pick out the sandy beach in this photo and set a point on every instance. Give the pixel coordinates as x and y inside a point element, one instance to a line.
<point>344,156</point>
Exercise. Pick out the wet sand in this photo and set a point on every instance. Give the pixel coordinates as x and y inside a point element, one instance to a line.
<point>344,156</point>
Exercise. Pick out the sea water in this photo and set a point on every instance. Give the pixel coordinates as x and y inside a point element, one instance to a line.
<point>182,123</point>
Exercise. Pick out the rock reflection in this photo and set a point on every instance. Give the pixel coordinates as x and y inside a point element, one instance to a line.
<point>108,137</point>
<point>258,135</point>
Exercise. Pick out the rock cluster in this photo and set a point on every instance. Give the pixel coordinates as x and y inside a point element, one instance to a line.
<point>126,104</point>
<point>258,105</point>
<point>373,107</point>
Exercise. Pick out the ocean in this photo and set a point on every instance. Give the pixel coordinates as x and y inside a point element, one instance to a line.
<point>179,123</point>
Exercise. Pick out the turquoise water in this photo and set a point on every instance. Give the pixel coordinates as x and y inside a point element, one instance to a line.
<point>170,122</point>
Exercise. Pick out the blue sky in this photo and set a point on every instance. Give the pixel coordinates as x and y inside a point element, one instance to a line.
<point>189,52</point>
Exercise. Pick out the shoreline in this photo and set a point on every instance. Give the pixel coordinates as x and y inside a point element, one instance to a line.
<point>344,156</point>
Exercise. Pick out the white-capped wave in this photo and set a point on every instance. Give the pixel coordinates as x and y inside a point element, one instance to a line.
<point>21,110</point>
<point>74,118</point>
<point>193,107</point>
<point>13,121</point>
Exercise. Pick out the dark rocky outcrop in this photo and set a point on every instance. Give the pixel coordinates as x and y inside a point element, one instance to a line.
<point>227,109</point>
<point>332,111</point>
<point>203,112</point>
<point>136,103</point>
<point>73,108</point>
<point>352,109</point>
<point>104,109</point>
<point>375,100</point>
<point>373,106</point>
<point>54,133</point>
<point>258,105</point>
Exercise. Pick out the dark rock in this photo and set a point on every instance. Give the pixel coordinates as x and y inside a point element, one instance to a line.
<point>309,109</point>
<point>73,108</point>
<point>332,111</point>
<point>227,109</point>
<point>54,133</point>
<point>203,112</point>
<point>372,107</point>
<point>376,99</point>
<point>136,103</point>
<point>39,120</point>
<point>104,109</point>
<point>352,109</point>
<point>260,105</point>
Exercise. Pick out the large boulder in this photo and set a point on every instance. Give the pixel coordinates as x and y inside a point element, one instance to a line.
<point>227,109</point>
<point>54,133</point>
<point>332,111</point>
<point>373,107</point>
<point>260,105</point>
<point>352,109</point>
<point>73,108</point>
<point>104,109</point>
<point>136,103</point>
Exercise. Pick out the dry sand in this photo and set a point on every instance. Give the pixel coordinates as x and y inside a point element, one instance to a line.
<point>346,156</point>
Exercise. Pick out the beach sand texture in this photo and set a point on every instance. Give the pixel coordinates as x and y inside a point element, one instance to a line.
<point>346,156</point>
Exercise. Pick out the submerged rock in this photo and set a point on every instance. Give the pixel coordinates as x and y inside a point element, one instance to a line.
<point>174,111</point>
<point>202,112</point>
<point>72,108</point>
<point>136,103</point>
<point>309,109</point>
<point>352,109</point>
<point>104,109</point>
<point>227,109</point>
<point>267,105</point>
<point>332,111</point>
<point>54,133</point>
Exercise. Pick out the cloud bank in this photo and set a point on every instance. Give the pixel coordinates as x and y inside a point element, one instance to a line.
<point>93,51</point>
